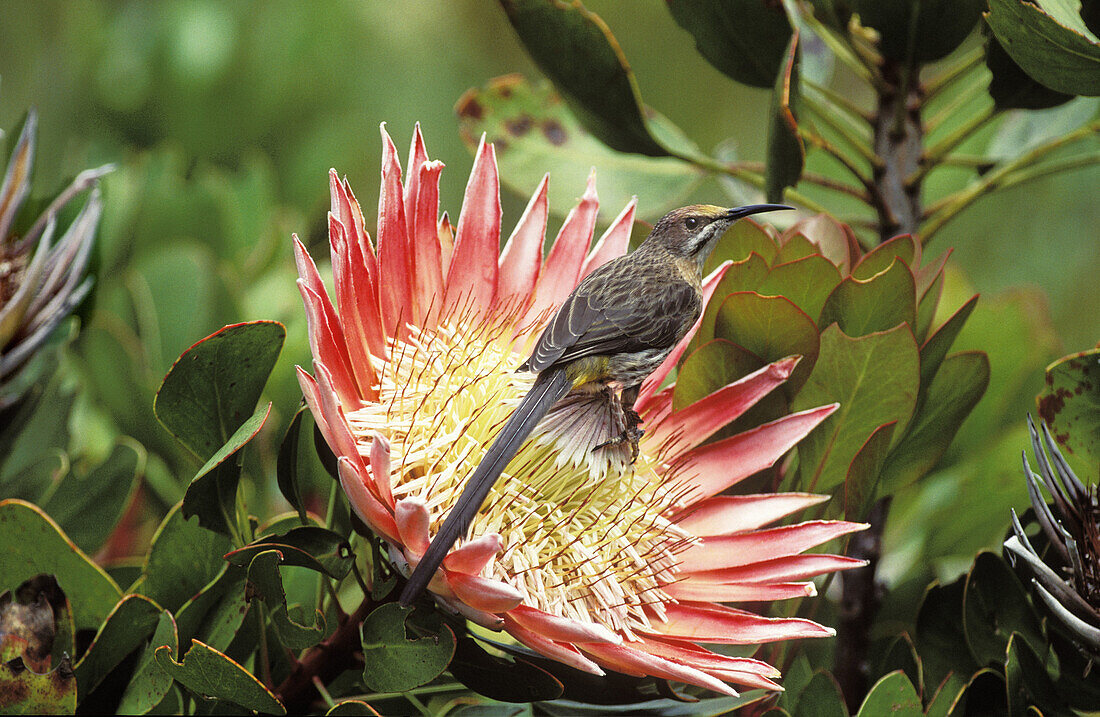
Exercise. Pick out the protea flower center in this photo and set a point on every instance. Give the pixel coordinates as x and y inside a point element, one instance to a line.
<point>584,529</point>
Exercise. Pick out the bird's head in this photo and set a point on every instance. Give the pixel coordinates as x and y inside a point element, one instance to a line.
<point>691,232</point>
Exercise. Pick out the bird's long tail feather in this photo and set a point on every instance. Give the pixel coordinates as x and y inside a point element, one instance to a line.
<point>550,386</point>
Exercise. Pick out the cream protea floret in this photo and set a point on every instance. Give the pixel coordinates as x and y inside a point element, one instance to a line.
<point>578,553</point>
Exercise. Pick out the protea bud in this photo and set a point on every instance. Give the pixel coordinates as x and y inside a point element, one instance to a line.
<point>1068,580</point>
<point>40,277</point>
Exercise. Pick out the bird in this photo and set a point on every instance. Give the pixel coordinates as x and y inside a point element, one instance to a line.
<point>617,326</point>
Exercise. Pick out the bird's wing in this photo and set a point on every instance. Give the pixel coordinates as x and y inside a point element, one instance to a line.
<point>615,316</point>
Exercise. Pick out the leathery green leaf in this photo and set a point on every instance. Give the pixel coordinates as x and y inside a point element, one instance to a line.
<point>263,574</point>
<point>880,303</point>
<point>150,683</point>
<point>183,558</point>
<point>894,694</point>
<point>786,153</point>
<point>1070,405</point>
<point>770,327</point>
<point>1050,42</point>
<point>128,626</point>
<point>875,379</point>
<point>393,661</point>
<point>745,39</point>
<point>863,473</point>
<point>209,673</point>
<point>214,386</point>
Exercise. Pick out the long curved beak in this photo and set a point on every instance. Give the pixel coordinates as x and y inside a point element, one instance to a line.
<point>738,212</point>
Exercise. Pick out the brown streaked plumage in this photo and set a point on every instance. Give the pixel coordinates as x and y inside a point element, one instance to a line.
<point>619,324</point>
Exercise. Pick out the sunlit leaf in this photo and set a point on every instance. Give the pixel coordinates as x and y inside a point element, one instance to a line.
<point>895,695</point>
<point>209,673</point>
<point>1050,42</point>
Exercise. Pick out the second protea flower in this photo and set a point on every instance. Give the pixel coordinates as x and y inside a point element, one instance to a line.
<point>1067,581</point>
<point>577,554</point>
<point>41,278</point>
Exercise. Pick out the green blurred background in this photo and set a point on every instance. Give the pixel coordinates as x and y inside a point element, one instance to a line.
<point>224,119</point>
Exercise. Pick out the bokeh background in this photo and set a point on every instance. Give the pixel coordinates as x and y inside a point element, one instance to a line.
<point>224,118</point>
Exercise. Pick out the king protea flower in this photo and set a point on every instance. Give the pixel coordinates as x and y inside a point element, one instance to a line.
<point>40,281</point>
<point>1068,581</point>
<point>578,554</point>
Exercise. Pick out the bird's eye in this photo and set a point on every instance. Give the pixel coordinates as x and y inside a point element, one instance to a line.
<point>691,222</point>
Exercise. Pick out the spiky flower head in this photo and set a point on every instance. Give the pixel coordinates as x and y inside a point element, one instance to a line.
<point>1067,578</point>
<point>577,554</point>
<point>40,278</point>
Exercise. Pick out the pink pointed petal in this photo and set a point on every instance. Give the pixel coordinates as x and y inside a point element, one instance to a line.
<point>326,337</point>
<point>693,424</point>
<point>487,620</point>
<point>522,255</point>
<point>711,468</point>
<point>792,567</point>
<point>723,514</point>
<point>472,277</point>
<point>472,556</point>
<point>729,626</point>
<point>614,242</point>
<point>564,653</point>
<point>739,670</point>
<point>425,244</point>
<point>562,629</point>
<point>340,438</point>
<point>380,468</point>
<point>347,210</point>
<point>728,551</point>
<point>418,155</point>
<point>562,269</point>
<point>395,261</point>
<point>631,661</point>
<point>699,657</point>
<point>446,234</point>
<point>689,589</point>
<point>483,593</point>
<point>311,392</point>
<point>364,503</point>
<point>411,516</point>
<point>359,331</point>
<point>651,385</point>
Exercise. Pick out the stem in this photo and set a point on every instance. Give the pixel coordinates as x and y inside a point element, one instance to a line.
<point>740,170</point>
<point>833,151</point>
<point>820,180</point>
<point>899,147</point>
<point>860,601</point>
<point>324,662</point>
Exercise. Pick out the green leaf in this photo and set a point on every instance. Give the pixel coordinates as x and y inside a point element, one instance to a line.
<point>217,612</point>
<point>395,663</point>
<point>214,386</point>
<point>1012,88</point>
<point>923,30</point>
<point>880,303</point>
<point>713,365</point>
<point>821,698</point>
<point>351,708</point>
<point>182,559</point>
<point>939,343</point>
<point>983,694</point>
<point>128,626</point>
<point>212,493</point>
<point>903,247</point>
<point>741,240</point>
<point>577,51</point>
<point>1028,682</point>
<point>1070,405</point>
<point>310,547</point>
<point>995,605</point>
<point>902,655</point>
<point>90,590</point>
<point>863,473</point>
<point>1050,42</point>
<point>797,246</point>
<point>263,574</point>
<point>772,328</point>
<point>514,680</point>
<point>939,635</point>
<point>745,39</point>
<point>286,471</point>
<point>90,507</point>
<point>741,275</point>
<point>209,673</point>
<point>534,132</point>
<point>894,694</point>
<point>806,282</point>
<point>786,153</point>
<point>150,683</point>
<point>955,390</point>
<point>875,379</point>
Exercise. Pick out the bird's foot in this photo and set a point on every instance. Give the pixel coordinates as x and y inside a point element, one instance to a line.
<point>631,434</point>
